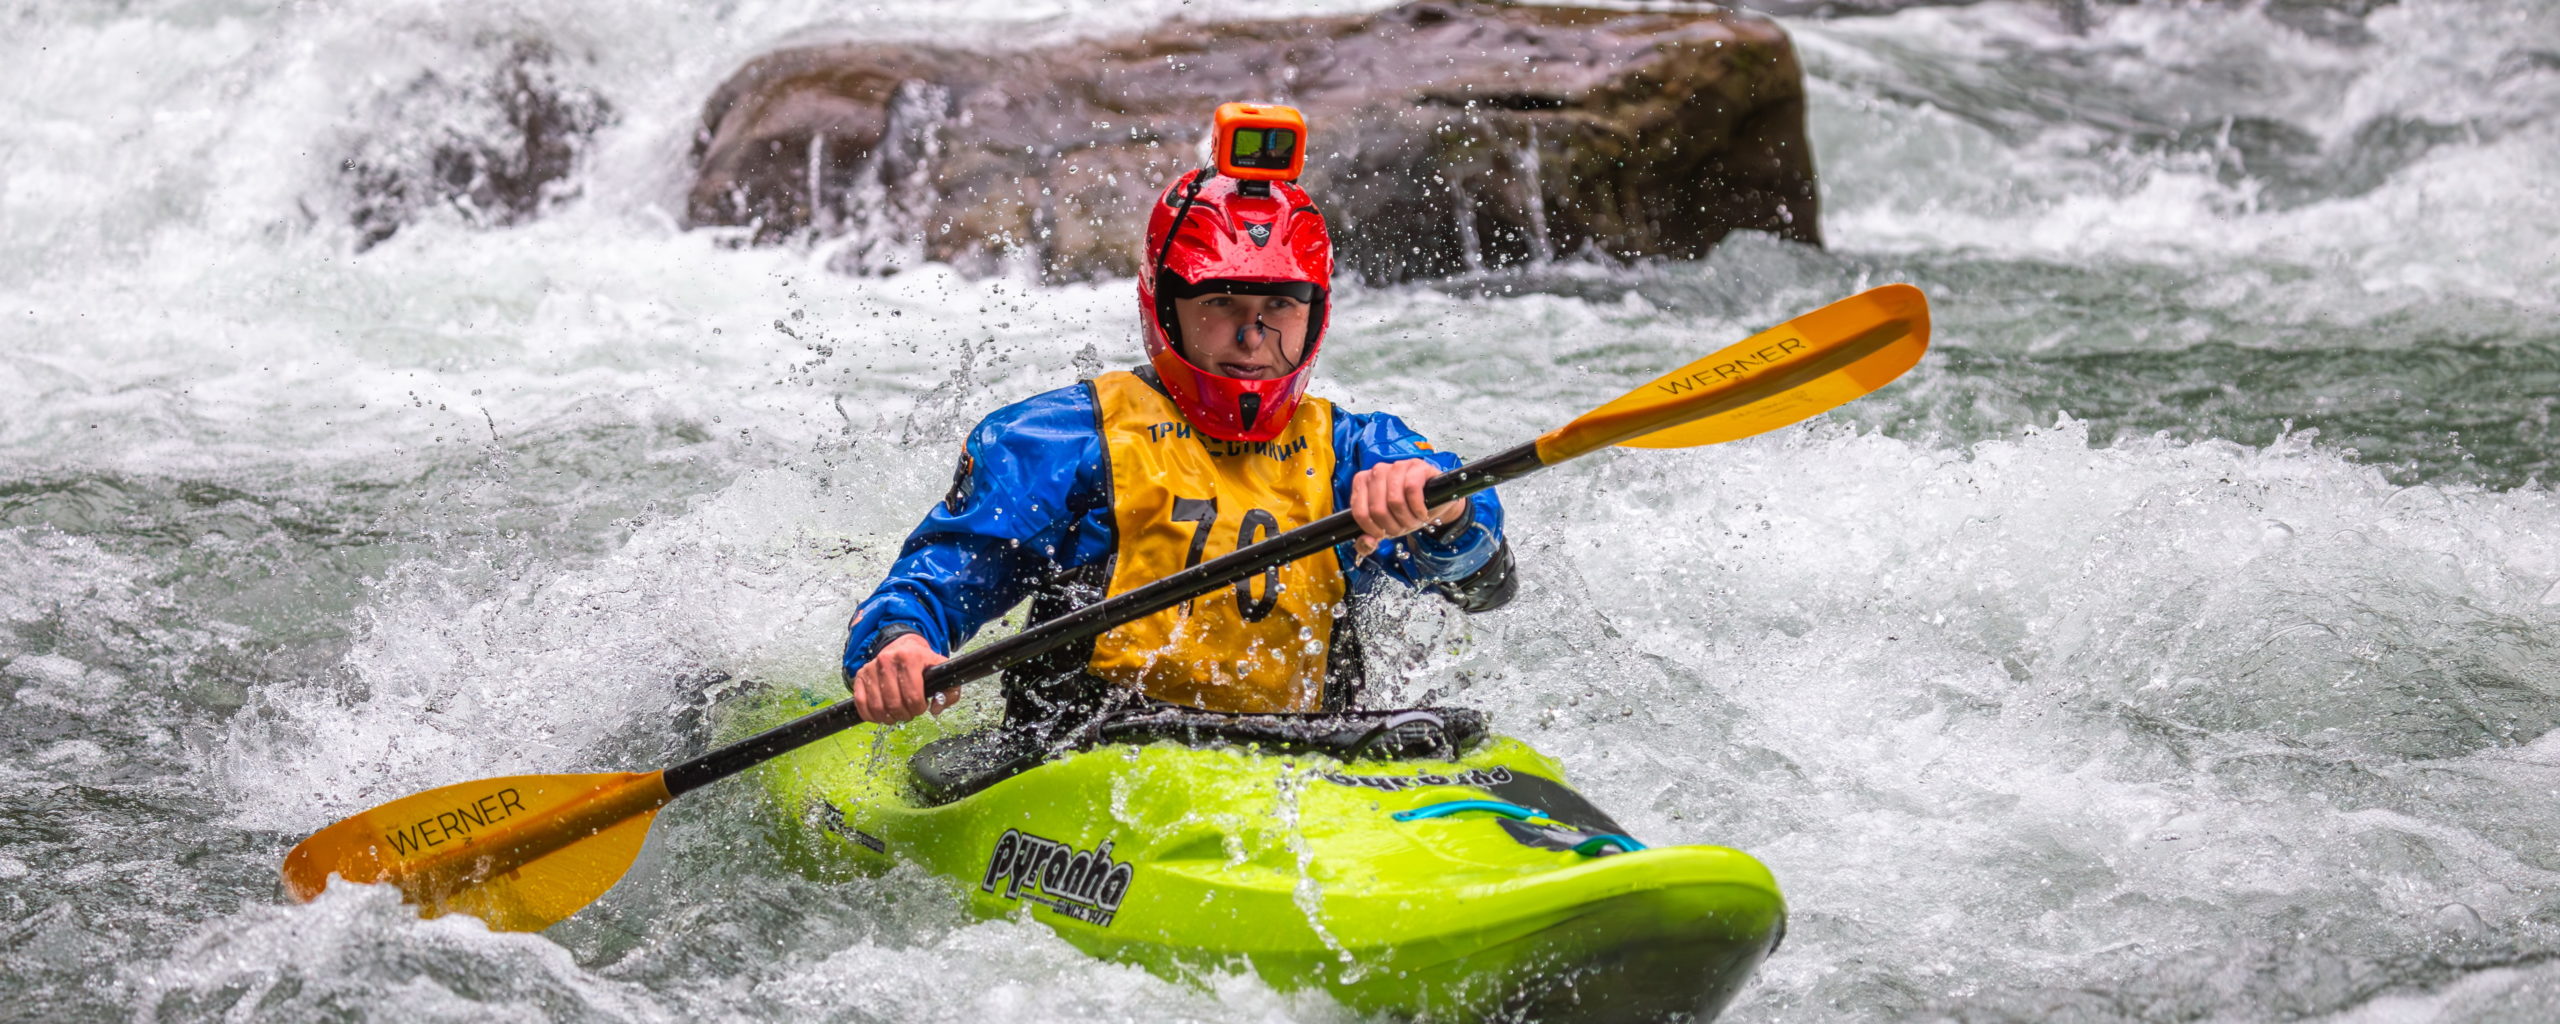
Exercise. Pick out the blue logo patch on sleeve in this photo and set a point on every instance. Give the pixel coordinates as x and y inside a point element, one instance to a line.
<point>963,484</point>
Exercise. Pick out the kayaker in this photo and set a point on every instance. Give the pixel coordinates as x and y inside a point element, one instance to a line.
<point>1105,485</point>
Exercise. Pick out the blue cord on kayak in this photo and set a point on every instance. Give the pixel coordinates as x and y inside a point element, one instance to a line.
<point>1591,847</point>
<point>1443,809</point>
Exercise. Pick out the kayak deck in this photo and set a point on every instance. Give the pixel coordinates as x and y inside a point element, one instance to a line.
<point>1460,888</point>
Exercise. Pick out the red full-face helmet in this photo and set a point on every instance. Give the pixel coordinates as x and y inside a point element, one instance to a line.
<point>1211,233</point>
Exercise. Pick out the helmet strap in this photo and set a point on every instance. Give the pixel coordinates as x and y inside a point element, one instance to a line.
<point>1165,317</point>
<point>1190,195</point>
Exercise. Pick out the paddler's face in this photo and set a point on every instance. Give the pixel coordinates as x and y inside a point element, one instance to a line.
<point>1248,337</point>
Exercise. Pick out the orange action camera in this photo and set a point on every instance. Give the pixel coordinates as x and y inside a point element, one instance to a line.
<point>1260,142</point>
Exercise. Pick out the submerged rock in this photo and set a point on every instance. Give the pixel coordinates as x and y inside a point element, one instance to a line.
<point>496,146</point>
<point>1446,137</point>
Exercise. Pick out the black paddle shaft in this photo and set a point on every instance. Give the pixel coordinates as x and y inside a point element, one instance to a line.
<point>1098,618</point>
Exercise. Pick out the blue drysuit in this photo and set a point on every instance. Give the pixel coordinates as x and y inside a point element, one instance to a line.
<point>1031,499</point>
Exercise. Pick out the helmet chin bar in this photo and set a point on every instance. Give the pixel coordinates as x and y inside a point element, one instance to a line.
<point>1252,397</point>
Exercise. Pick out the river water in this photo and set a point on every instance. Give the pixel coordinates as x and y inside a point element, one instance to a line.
<point>2180,642</point>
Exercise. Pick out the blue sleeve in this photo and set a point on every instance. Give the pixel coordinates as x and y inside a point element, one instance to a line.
<point>1362,440</point>
<point>1026,474</point>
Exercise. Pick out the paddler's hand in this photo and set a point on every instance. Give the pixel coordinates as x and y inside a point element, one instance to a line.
<point>1386,500</point>
<point>890,689</point>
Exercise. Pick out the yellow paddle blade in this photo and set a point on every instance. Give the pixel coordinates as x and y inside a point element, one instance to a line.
<point>1796,370</point>
<point>520,852</point>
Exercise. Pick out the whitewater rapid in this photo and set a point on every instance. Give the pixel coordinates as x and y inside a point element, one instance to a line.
<point>2181,641</point>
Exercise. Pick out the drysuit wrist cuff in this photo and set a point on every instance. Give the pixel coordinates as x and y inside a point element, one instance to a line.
<point>1448,534</point>
<point>889,633</point>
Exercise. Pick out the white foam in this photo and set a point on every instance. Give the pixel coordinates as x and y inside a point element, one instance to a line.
<point>2050,167</point>
<point>359,946</point>
<point>2048,702</point>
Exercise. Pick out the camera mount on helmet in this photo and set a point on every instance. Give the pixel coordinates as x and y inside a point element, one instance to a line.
<point>1259,143</point>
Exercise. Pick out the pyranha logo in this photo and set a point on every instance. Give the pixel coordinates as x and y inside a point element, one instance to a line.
<point>1493,776</point>
<point>1086,885</point>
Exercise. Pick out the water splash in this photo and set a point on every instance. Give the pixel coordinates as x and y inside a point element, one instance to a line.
<point>884,209</point>
<point>1531,185</point>
<point>1462,213</point>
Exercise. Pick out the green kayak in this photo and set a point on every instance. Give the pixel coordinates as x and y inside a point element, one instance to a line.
<point>1436,872</point>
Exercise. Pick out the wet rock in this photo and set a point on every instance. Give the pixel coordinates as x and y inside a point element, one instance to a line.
<point>497,147</point>
<point>1446,137</point>
<point>2338,20</point>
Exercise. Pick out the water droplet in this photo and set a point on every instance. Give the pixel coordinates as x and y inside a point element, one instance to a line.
<point>2460,918</point>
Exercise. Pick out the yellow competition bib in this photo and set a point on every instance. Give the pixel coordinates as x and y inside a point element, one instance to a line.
<point>1180,498</point>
